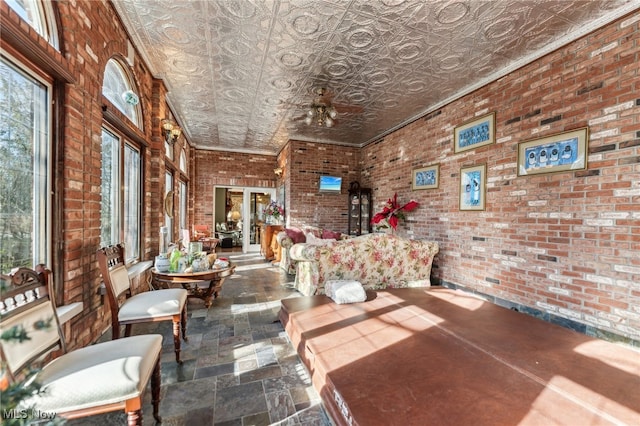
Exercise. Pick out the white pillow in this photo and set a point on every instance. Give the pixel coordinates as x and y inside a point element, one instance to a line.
<point>315,241</point>
<point>345,291</point>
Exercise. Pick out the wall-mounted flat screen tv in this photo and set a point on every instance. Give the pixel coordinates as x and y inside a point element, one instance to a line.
<point>330,184</point>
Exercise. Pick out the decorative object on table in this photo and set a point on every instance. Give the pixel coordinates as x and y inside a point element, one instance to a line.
<point>475,133</point>
<point>162,260</point>
<point>473,187</point>
<point>392,212</point>
<point>274,213</point>
<point>426,177</point>
<point>556,153</point>
<point>199,261</point>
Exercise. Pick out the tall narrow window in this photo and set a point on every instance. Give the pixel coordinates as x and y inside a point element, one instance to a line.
<point>121,194</point>
<point>183,205</point>
<point>110,204</point>
<point>24,169</point>
<point>132,191</point>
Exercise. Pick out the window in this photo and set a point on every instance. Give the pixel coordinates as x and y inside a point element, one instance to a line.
<point>132,197</point>
<point>183,205</point>
<point>120,221</point>
<point>110,179</point>
<point>183,190</point>
<point>39,15</point>
<point>117,87</point>
<point>183,161</point>
<point>121,214</point>
<point>25,168</point>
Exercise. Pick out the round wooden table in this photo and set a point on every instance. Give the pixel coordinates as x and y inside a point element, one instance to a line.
<point>192,282</point>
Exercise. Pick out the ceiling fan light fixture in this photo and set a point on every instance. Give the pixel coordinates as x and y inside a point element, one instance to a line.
<point>321,112</point>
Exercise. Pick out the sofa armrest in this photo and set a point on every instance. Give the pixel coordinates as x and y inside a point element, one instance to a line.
<point>306,252</point>
<point>284,240</point>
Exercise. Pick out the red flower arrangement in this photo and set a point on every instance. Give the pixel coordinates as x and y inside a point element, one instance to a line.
<point>392,211</point>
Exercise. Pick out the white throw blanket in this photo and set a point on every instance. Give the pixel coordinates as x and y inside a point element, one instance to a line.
<point>345,291</point>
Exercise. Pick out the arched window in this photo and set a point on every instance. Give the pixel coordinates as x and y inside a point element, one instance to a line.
<point>39,15</point>
<point>121,179</point>
<point>118,88</point>
<point>183,161</point>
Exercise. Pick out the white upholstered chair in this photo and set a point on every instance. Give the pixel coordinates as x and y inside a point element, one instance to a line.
<point>149,306</point>
<point>96,379</point>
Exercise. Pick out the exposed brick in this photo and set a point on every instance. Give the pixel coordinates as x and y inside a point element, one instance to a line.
<point>551,120</point>
<point>590,88</point>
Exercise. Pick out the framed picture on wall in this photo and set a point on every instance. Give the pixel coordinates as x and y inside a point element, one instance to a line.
<point>556,153</point>
<point>426,177</point>
<point>473,182</point>
<point>475,133</point>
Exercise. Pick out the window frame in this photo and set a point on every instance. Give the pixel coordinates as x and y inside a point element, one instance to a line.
<point>43,182</point>
<point>120,200</point>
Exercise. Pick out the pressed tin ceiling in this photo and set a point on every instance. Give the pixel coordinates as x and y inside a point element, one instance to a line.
<point>242,74</point>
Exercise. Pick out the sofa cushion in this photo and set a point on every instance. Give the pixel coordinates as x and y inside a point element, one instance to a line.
<point>296,235</point>
<point>315,241</point>
<point>330,235</point>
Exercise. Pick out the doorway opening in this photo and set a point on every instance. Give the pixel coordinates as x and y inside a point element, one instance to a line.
<point>239,215</point>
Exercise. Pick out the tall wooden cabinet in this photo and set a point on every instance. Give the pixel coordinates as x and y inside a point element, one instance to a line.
<point>359,210</point>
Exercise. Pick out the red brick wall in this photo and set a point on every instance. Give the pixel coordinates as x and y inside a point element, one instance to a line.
<point>304,163</point>
<point>220,168</point>
<point>567,243</point>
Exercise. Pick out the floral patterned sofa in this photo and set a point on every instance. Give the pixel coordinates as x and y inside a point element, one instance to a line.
<point>290,236</point>
<point>378,261</point>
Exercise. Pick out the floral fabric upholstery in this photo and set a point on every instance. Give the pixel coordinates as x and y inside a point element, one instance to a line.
<point>286,242</point>
<point>378,261</point>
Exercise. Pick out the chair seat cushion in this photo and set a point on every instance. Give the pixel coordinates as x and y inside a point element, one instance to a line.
<point>153,304</point>
<point>104,373</point>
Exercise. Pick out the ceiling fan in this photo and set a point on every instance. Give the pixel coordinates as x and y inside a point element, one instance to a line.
<point>321,112</point>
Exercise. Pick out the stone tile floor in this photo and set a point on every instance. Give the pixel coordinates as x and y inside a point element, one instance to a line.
<point>239,366</point>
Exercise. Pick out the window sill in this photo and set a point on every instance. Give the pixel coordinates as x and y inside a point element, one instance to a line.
<point>134,270</point>
<point>66,312</point>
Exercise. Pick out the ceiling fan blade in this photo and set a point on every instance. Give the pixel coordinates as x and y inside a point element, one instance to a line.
<point>354,109</point>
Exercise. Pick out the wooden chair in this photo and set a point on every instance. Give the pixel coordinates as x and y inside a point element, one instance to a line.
<point>96,379</point>
<point>150,306</point>
<point>203,234</point>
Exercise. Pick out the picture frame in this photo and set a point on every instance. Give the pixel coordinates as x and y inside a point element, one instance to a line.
<point>475,133</point>
<point>473,187</point>
<point>426,177</point>
<point>561,152</point>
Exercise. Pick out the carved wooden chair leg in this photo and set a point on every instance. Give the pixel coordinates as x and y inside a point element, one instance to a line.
<point>155,391</point>
<point>134,418</point>
<point>183,323</point>
<point>133,407</point>
<point>176,336</point>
